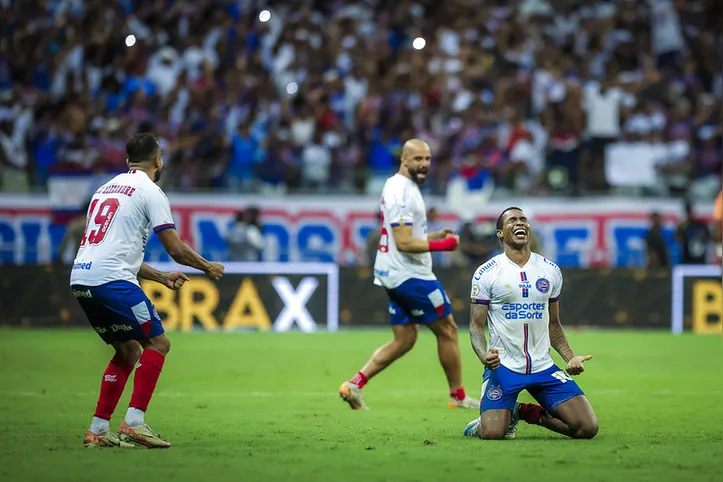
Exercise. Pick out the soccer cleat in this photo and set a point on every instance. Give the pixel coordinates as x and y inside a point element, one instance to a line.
<point>142,435</point>
<point>467,402</point>
<point>472,429</point>
<point>104,440</point>
<point>514,420</point>
<point>352,395</point>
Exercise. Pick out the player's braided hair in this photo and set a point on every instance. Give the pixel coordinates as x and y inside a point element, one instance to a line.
<point>499,219</point>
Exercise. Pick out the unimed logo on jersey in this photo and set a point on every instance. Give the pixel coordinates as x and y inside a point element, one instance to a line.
<point>523,311</point>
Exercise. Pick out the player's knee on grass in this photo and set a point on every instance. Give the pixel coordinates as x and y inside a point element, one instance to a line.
<point>585,429</point>
<point>494,424</point>
<point>579,416</point>
<point>160,343</point>
<point>127,352</point>
<point>492,433</point>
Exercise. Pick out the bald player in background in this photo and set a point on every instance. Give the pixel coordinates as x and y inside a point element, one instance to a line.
<point>403,267</point>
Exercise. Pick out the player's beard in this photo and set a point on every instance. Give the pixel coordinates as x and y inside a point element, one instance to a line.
<point>157,177</point>
<point>415,176</point>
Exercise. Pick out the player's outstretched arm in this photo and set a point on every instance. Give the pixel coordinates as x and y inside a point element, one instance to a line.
<point>558,341</point>
<point>172,280</point>
<point>478,318</point>
<point>185,255</point>
<point>406,243</point>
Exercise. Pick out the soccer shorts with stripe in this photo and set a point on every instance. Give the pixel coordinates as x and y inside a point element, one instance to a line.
<point>119,311</point>
<point>418,301</point>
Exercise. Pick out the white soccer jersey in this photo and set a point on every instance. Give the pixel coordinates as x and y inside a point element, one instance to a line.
<point>120,215</point>
<point>401,203</point>
<point>518,315</point>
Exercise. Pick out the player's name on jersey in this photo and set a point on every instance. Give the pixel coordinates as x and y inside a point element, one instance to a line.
<point>116,189</point>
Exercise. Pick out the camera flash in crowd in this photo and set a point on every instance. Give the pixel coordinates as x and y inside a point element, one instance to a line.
<point>292,88</point>
<point>264,16</point>
<point>419,43</point>
<point>130,40</point>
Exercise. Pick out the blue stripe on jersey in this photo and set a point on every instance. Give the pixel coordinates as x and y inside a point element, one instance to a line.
<point>163,227</point>
<point>475,301</point>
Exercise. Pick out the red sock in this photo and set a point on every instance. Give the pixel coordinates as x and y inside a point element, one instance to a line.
<point>359,379</point>
<point>149,369</point>
<point>457,393</point>
<point>531,413</point>
<point>111,387</point>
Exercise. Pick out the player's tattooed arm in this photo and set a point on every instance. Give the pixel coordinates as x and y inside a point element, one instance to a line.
<point>477,320</point>
<point>558,340</point>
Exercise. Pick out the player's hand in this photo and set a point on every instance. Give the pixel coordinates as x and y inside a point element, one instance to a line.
<point>215,271</point>
<point>174,280</point>
<point>577,364</point>
<point>492,359</point>
<point>441,234</point>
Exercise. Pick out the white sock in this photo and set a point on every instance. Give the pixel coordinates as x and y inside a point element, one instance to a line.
<point>134,417</point>
<point>99,426</point>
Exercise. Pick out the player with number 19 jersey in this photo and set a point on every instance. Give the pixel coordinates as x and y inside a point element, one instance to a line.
<point>104,280</point>
<point>120,216</point>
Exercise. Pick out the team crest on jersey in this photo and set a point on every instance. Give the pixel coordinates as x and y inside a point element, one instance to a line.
<point>542,285</point>
<point>494,393</point>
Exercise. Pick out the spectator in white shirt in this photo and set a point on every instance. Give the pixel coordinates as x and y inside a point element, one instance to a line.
<point>316,162</point>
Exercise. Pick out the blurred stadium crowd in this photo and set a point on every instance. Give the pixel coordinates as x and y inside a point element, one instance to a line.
<point>528,95</point>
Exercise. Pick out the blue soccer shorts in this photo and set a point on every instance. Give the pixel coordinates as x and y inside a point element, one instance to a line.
<point>549,387</point>
<point>418,301</point>
<point>119,311</point>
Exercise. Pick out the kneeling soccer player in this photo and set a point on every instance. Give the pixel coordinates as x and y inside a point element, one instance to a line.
<point>517,293</point>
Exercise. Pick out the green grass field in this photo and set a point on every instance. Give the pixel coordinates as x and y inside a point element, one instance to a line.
<point>264,407</point>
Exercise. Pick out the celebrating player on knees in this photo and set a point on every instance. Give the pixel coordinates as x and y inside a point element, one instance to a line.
<point>403,267</point>
<point>104,280</point>
<point>517,293</point>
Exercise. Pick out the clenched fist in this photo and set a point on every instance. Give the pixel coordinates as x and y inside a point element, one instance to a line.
<point>174,280</point>
<point>492,359</point>
<point>215,271</point>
